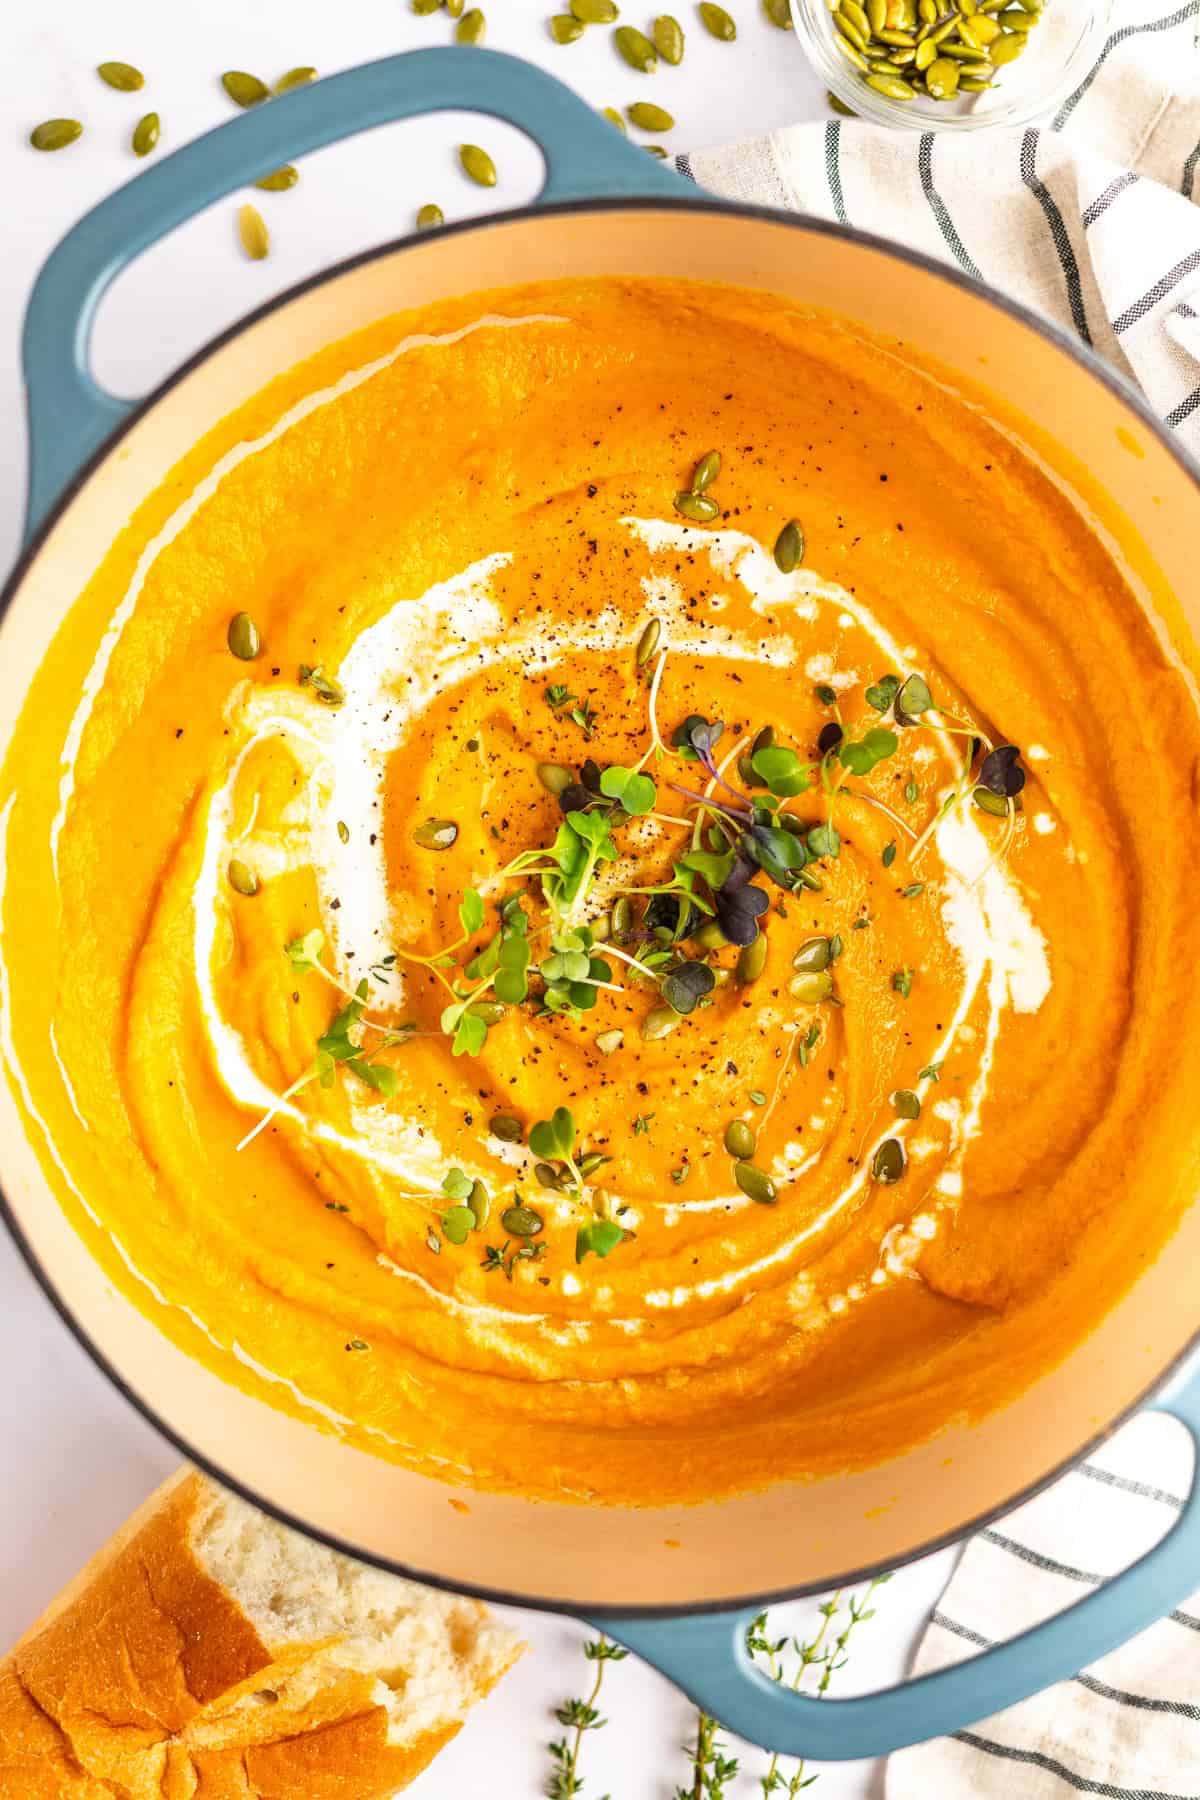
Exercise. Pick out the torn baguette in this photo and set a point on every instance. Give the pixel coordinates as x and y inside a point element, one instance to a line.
<point>209,1653</point>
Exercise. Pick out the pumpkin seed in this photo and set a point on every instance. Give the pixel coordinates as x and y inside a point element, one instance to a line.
<point>941,79</point>
<point>740,1140</point>
<point>717,21</point>
<point>621,918</point>
<point>815,954</point>
<point>252,229</point>
<point>839,105</point>
<point>667,35</point>
<point>980,31</point>
<point>925,54</point>
<point>490,1011</point>
<point>242,878</point>
<point>614,118</point>
<point>279,180</point>
<point>789,547</point>
<point>595,1159</point>
<point>697,506</point>
<point>901,59</point>
<point>706,470</point>
<point>436,834</point>
<point>876,14</point>
<point>852,54</point>
<point>779,12</point>
<point>55,134</point>
<point>424,8</point>
<point>755,1183</point>
<point>243,89</point>
<point>903,40</point>
<point>477,164</point>
<point>943,31</point>
<point>636,48</point>
<point>595,12</point>
<point>975,72</point>
<point>454,7</point>
<point>294,78</point>
<point>480,1203</point>
<point>609,1042</point>
<point>145,134</point>
<point>888,1163</point>
<point>507,1127</point>
<point>430,216</point>
<point>547,1176</point>
<point>851,32</point>
<point>654,150</point>
<point>564,29</point>
<point>1006,49</point>
<point>710,936</point>
<point>122,76</point>
<point>971,84</point>
<point>647,644</point>
<point>648,117</point>
<point>659,1023</point>
<point>850,9</point>
<point>1031,6</point>
<point>960,53</point>
<point>1013,19</point>
<point>521,1221</point>
<point>554,777</point>
<point>471,28</point>
<point>343,831</point>
<point>907,1104</point>
<point>763,740</point>
<point>811,987</point>
<point>927,11</point>
<point>752,960</point>
<point>243,637</point>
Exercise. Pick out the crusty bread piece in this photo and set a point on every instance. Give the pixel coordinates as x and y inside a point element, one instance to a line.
<point>208,1653</point>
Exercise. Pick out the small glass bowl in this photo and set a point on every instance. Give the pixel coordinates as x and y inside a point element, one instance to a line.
<point>1059,51</point>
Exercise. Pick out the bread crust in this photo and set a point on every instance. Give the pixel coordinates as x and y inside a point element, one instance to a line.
<point>147,1680</point>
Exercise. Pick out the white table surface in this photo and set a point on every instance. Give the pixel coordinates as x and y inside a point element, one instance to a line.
<point>76,1458</point>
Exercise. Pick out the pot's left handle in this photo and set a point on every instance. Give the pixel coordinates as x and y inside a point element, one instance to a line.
<point>706,1655</point>
<point>70,415</point>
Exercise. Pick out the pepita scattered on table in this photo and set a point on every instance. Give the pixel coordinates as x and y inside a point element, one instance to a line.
<point>294,78</point>
<point>122,76</point>
<point>55,134</point>
<point>471,28</point>
<point>430,216</point>
<point>636,48</point>
<point>667,33</point>
<point>595,12</point>
<point>779,12</point>
<point>146,134</point>
<point>648,117</point>
<point>717,21</point>
<point>565,29</point>
<point>279,180</point>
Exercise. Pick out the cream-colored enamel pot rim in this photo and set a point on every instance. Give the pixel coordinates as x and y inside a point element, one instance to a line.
<point>1085,357</point>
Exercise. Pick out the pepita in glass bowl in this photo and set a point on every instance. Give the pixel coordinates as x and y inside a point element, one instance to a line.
<point>952,65</point>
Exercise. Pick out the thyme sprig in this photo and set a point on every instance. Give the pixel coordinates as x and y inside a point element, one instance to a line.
<point>578,1716</point>
<point>712,1770</point>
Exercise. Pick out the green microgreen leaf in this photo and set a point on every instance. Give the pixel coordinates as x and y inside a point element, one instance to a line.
<point>458,1222</point>
<point>782,770</point>
<point>456,1185</point>
<point>825,694</point>
<point>376,1075</point>
<point>883,692</point>
<point>914,698</point>
<point>636,793</point>
<point>471,912</point>
<point>862,755</point>
<point>823,840</point>
<point>553,1138</point>
<point>597,1237</point>
<point>470,1035</point>
<point>304,953</point>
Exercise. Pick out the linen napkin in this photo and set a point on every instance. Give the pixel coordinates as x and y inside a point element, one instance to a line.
<point>1093,219</point>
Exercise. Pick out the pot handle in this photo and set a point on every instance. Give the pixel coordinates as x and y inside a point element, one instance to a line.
<point>70,415</point>
<point>706,1655</point>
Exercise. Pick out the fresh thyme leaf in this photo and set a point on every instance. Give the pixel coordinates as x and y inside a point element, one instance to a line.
<point>556,696</point>
<point>883,692</point>
<point>889,854</point>
<point>584,716</point>
<point>912,890</point>
<point>641,1125</point>
<point>680,1175</point>
<point>808,1044</point>
<point>825,694</point>
<point>902,981</point>
<point>323,686</point>
<point>912,792</point>
<point>757,1097</point>
<point>335,1206</point>
<point>493,1256</point>
<point>578,1716</point>
<point>598,1237</point>
<point>931,1072</point>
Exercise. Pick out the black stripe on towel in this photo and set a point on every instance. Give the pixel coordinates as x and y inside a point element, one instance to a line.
<point>833,143</point>
<point>1161,288</point>
<point>1058,232</point>
<point>1092,1470</point>
<point>1184,410</point>
<point>937,207</point>
<point>1118,37</point>
<point>1081,1783</point>
<point>1102,203</point>
<point>1182,1709</point>
<point>684,165</point>
<point>1189,173</point>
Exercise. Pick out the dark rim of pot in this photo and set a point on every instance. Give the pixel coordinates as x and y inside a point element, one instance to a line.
<point>1122,390</point>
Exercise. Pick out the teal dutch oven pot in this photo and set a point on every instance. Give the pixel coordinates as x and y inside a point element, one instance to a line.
<point>676,1585</point>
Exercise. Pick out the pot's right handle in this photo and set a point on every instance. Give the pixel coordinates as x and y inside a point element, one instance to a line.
<point>706,1656</point>
<point>70,415</point>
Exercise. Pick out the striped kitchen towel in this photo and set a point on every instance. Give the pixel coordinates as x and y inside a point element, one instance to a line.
<point>1094,219</point>
<point>1128,1728</point>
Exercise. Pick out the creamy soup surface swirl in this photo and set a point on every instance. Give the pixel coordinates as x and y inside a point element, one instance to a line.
<point>372,995</point>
